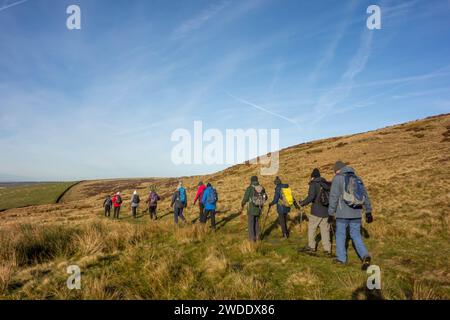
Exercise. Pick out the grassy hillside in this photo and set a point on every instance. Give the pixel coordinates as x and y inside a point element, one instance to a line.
<point>406,171</point>
<point>22,195</point>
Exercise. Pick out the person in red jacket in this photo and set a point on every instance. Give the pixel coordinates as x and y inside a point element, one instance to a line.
<point>117,202</point>
<point>198,196</point>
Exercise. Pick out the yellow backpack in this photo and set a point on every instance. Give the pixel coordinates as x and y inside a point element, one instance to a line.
<point>286,197</point>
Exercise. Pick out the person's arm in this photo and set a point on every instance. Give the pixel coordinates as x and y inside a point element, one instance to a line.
<point>246,197</point>
<point>197,195</point>
<point>174,197</point>
<point>311,195</point>
<point>368,207</point>
<point>334,195</point>
<point>276,197</point>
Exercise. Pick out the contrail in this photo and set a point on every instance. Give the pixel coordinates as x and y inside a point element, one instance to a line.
<point>263,109</point>
<point>12,5</point>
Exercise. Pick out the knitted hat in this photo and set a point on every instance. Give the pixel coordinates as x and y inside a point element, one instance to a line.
<point>254,179</point>
<point>338,165</point>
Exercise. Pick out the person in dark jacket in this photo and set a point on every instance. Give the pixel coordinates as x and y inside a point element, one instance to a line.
<point>319,214</point>
<point>347,216</point>
<point>209,199</point>
<point>253,210</point>
<point>178,204</point>
<point>152,202</point>
<point>107,204</point>
<point>135,203</point>
<point>282,210</point>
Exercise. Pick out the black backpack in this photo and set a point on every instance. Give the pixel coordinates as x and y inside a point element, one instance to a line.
<point>118,199</point>
<point>324,193</point>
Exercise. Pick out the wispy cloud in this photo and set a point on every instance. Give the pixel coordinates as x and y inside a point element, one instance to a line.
<point>264,109</point>
<point>342,89</point>
<point>7,6</point>
<point>198,21</point>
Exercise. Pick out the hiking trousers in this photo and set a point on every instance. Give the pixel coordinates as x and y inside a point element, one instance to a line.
<point>107,211</point>
<point>178,213</point>
<point>134,211</point>
<point>321,223</point>
<point>282,220</point>
<point>253,228</point>
<point>116,212</point>
<point>152,212</point>
<point>203,214</point>
<point>355,235</point>
<point>212,216</point>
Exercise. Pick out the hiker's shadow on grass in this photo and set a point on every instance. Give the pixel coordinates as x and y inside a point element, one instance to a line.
<point>364,293</point>
<point>297,220</point>
<point>164,215</point>
<point>222,222</point>
<point>269,230</point>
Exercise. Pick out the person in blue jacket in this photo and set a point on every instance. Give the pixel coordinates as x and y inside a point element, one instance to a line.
<point>209,199</point>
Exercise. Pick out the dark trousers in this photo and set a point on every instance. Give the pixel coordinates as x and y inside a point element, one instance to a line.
<point>178,213</point>
<point>107,211</point>
<point>152,212</point>
<point>203,215</point>
<point>253,228</point>
<point>134,211</point>
<point>116,212</point>
<point>282,220</point>
<point>212,216</point>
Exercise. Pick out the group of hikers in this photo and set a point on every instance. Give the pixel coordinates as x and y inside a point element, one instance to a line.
<point>340,203</point>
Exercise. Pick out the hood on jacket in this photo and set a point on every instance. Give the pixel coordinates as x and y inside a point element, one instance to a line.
<point>346,169</point>
<point>318,179</point>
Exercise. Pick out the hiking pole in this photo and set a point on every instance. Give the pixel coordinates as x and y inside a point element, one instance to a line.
<point>265,221</point>
<point>301,218</point>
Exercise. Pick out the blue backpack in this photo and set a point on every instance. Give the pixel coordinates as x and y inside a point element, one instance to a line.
<point>354,191</point>
<point>211,197</point>
<point>182,195</point>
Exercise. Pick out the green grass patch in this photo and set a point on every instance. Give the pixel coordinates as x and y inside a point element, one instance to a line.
<point>32,194</point>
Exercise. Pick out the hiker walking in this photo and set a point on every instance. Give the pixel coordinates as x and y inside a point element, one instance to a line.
<point>117,202</point>
<point>209,199</point>
<point>254,197</point>
<point>179,203</point>
<point>152,202</point>
<point>199,196</point>
<point>107,204</point>
<point>348,197</point>
<point>284,200</point>
<point>135,203</point>
<point>318,195</point>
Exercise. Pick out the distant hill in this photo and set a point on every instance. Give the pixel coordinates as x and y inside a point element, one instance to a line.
<point>406,169</point>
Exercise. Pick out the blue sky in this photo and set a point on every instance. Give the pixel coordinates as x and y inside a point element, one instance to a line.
<point>103,101</point>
